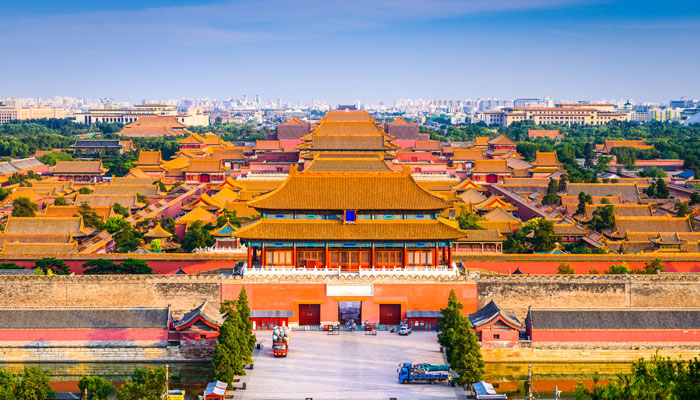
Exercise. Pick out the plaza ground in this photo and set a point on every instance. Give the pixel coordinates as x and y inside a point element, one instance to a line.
<point>346,366</point>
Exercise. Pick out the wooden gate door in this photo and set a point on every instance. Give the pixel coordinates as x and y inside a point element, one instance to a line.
<point>389,314</point>
<point>309,314</point>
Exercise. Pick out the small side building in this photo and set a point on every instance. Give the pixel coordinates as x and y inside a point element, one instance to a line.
<point>495,327</point>
<point>423,320</point>
<point>612,327</point>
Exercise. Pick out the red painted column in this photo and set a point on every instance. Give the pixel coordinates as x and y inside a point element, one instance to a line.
<point>250,256</point>
<point>374,256</point>
<point>435,256</point>
<point>404,260</point>
<point>294,255</point>
<point>263,256</point>
<point>449,256</point>
<point>326,256</point>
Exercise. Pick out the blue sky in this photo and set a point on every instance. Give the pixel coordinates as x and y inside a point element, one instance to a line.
<point>341,51</point>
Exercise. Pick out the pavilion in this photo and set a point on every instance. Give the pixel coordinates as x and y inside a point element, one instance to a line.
<point>372,220</point>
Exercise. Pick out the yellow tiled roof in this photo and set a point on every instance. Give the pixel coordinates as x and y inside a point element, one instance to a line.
<point>505,227</point>
<point>177,163</point>
<point>39,248</point>
<point>652,224</point>
<point>349,191</point>
<point>157,232</point>
<point>472,196</point>
<point>490,166</point>
<point>469,184</point>
<point>468,155</point>
<point>230,183</point>
<point>359,164</point>
<point>225,195</point>
<point>79,167</point>
<point>546,159</point>
<point>45,226</point>
<point>70,211</point>
<point>205,166</point>
<point>149,158</point>
<point>241,208</point>
<point>499,214</point>
<point>347,115</point>
<point>337,230</point>
<point>493,202</point>
<point>198,214</point>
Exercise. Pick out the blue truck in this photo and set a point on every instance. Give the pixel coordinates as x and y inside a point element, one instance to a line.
<point>423,373</point>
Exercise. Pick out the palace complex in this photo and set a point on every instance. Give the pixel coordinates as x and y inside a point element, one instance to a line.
<point>345,218</point>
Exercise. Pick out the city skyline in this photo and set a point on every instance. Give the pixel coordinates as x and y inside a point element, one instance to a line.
<point>371,51</point>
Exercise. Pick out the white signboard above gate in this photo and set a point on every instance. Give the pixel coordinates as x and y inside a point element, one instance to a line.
<point>349,290</point>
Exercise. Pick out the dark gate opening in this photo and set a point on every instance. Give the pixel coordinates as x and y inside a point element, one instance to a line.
<point>349,311</point>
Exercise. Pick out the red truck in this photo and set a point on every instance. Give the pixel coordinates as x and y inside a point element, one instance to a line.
<point>280,341</point>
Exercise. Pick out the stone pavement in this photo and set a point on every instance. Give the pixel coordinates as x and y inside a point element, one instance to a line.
<point>346,366</point>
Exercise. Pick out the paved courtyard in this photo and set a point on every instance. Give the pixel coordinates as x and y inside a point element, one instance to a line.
<point>346,366</point>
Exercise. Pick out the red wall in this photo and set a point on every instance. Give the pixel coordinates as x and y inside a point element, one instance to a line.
<point>29,335</point>
<point>159,267</point>
<point>603,335</point>
<point>500,266</point>
<point>581,267</point>
<point>288,296</point>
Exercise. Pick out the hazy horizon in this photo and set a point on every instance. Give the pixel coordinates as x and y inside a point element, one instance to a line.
<point>345,51</point>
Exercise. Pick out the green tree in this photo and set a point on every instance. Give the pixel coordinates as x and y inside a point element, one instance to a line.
<point>51,158</point>
<point>60,201</point>
<point>145,384</point>
<point>132,266</point>
<point>84,190</point>
<point>515,243</point>
<point>682,209</point>
<point>34,385</point>
<point>121,210</point>
<point>544,238</point>
<point>460,343</point>
<point>228,217</point>
<point>127,239</point>
<point>161,186</point>
<point>602,165</point>
<point>10,265</point>
<point>141,198</point>
<point>694,198</point>
<point>8,385</point>
<point>565,269</point>
<point>653,267</point>
<point>621,269</point>
<point>227,362</point>
<point>447,322</point>
<point>198,236</point>
<point>129,266</point>
<point>90,217</point>
<point>247,337</point>
<point>468,221</point>
<point>100,266</point>
<point>662,191</point>
<point>156,247</point>
<point>659,378</point>
<point>4,193</point>
<point>115,224</point>
<point>57,267</point>
<point>98,388</point>
<point>467,360</point>
<point>603,218</point>
<point>23,207</point>
<point>583,199</point>
<point>550,198</point>
<point>553,186</point>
